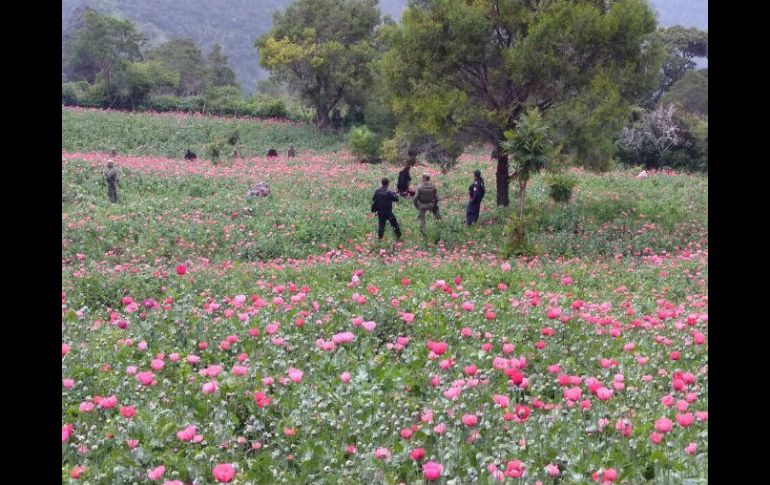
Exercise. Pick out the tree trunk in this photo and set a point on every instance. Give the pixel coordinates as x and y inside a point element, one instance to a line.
<point>501,177</point>
<point>522,194</point>
<point>322,118</point>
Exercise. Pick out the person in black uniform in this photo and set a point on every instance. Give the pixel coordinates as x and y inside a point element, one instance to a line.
<point>382,204</point>
<point>475,193</point>
<point>403,181</point>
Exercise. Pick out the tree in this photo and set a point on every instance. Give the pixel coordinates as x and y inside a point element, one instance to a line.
<point>98,44</point>
<point>649,138</point>
<point>532,150</point>
<point>220,73</point>
<point>184,57</point>
<point>691,93</point>
<point>322,49</point>
<point>682,46</point>
<point>134,82</point>
<point>462,71</point>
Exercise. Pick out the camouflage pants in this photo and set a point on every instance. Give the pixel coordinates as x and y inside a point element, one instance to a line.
<point>421,210</point>
<point>112,193</point>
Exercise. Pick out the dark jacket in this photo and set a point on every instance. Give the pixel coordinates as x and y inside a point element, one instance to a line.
<point>476,191</point>
<point>403,180</point>
<point>382,202</point>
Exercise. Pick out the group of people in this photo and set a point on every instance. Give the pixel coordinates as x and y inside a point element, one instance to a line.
<point>273,153</point>
<point>425,199</point>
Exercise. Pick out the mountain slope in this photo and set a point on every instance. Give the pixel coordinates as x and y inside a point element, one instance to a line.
<point>235,24</point>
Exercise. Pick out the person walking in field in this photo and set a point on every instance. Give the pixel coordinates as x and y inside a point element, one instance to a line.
<point>111,177</point>
<point>292,152</point>
<point>426,199</point>
<point>475,193</point>
<point>382,204</point>
<point>403,181</point>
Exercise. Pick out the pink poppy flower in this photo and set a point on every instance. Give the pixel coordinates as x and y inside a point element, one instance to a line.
<point>663,425</point>
<point>417,454</point>
<point>295,374</point>
<point>431,470</point>
<point>156,473</point>
<point>382,453</point>
<point>470,420</point>
<point>552,470</point>
<point>514,469</point>
<point>210,387</point>
<point>224,472</point>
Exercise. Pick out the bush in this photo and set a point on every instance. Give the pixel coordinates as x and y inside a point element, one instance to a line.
<point>515,239</point>
<point>663,138</point>
<point>560,186</point>
<point>364,144</point>
<point>73,93</point>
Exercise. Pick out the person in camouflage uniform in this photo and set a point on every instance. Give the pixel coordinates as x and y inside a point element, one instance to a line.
<point>292,152</point>
<point>260,189</point>
<point>111,177</point>
<point>426,199</point>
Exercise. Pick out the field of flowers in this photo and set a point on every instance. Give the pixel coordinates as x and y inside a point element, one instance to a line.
<point>207,338</point>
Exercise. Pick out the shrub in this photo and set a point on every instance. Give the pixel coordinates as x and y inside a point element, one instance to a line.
<point>364,144</point>
<point>560,186</point>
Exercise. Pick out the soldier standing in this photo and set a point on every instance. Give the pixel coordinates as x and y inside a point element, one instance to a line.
<point>111,177</point>
<point>382,204</point>
<point>292,152</point>
<point>426,199</point>
<point>475,193</point>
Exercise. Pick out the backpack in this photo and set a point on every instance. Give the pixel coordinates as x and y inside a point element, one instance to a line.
<point>427,195</point>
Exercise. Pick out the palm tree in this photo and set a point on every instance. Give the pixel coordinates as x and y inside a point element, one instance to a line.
<point>532,151</point>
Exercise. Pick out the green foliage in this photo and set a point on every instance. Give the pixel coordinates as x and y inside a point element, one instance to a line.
<point>530,145</point>
<point>364,144</point>
<point>170,135</point>
<point>682,45</point>
<point>462,71</point>
<point>560,186</point>
<point>74,92</point>
<point>98,44</point>
<point>663,138</point>
<point>515,239</point>
<point>220,73</point>
<point>321,48</point>
<point>691,93</point>
<point>184,57</point>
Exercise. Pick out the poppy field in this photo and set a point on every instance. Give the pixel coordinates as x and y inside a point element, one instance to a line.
<point>209,338</point>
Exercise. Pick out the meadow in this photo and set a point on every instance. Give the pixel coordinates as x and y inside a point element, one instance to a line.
<point>210,338</point>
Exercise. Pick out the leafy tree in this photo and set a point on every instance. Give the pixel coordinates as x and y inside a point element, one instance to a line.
<point>532,150</point>
<point>365,144</point>
<point>135,80</point>
<point>682,46</point>
<point>98,45</point>
<point>220,73</point>
<point>183,56</point>
<point>461,71</point>
<point>691,93</point>
<point>322,48</point>
<point>662,138</point>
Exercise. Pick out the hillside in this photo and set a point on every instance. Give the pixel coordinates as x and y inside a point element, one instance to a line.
<point>235,24</point>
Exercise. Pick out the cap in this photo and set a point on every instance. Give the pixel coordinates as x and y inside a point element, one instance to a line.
<point>477,173</point>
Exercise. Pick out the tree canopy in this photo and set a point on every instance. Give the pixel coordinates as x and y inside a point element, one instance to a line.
<point>322,48</point>
<point>461,71</point>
